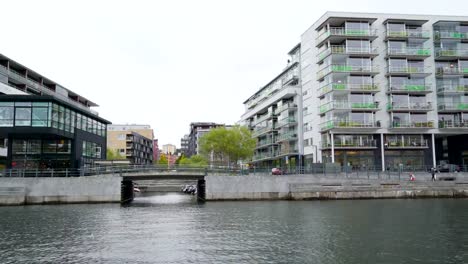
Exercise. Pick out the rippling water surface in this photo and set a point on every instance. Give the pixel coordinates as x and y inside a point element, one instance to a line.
<point>174,229</point>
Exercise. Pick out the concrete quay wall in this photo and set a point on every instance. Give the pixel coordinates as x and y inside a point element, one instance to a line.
<point>304,187</point>
<point>92,189</point>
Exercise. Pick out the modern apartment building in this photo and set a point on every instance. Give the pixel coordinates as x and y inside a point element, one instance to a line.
<point>274,115</point>
<point>132,142</point>
<point>385,90</point>
<point>197,130</point>
<point>169,149</point>
<point>43,125</point>
<point>184,144</point>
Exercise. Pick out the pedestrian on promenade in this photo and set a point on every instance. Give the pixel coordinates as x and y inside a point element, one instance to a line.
<point>433,173</point>
<point>411,177</point>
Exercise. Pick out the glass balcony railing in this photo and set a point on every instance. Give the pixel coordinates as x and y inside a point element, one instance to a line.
<point>450,35</point>
<point>407,34</point>
<point>452,88</point>
<point>285,107</point>
<point>410,88</point>
<point>265,155</point>
<point>289,136</point>
<point>257,132</point>
<point>351,144</point>
<point>342,49</point>
<point>264,118</point>
<point>352,87</point>
<point>286,121</point>
<point>408,70</point>
<point>346,105</point>
<point>332,124</point>
<point>266,142</point>
<point>409,51</point>
<point>422,143</point>
<point>451,53</point>
<point>453,124</point>
<point>426,106</point>
<point>346,68</point>
<point>441,71</point>
<point>407,124</point>
<point>453,107</point>
<point>343,32</point>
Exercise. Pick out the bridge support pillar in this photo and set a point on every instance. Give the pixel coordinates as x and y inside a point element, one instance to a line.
<point>201,190</point>
<point>126,194</point>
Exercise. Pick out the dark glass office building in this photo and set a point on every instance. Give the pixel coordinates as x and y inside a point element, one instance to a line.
<point>45,126</point>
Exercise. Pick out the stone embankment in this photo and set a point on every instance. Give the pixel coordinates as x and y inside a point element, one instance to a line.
<point>92,189</point>
<point>304,187</point>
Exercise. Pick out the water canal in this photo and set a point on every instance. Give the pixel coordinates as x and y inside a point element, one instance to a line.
<point>174,228</point>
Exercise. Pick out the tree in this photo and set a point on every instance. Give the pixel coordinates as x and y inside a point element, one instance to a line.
<point>162,159</point>
<point>194,161</point>
<point>228,145</point>
<point>113,154</point>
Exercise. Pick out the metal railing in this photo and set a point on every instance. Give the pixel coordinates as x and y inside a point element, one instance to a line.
<point>453,106</point>
<point>453,124</point>
<point>422,106</point>
<point>342,31</point>
<point>408,70</point>
<point>346,68</point>
<point>452,88</point>
<point>451,53</point>
<point>424,124</point>
<point>285,107</point>
<point>450,35</point>
<point>348,124</point>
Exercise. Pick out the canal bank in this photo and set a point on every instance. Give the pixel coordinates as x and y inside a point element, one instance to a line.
<point>90,189</point>
<point>309,187</point>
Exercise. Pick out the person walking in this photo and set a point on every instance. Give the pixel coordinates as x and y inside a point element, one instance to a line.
<point>433,173</point>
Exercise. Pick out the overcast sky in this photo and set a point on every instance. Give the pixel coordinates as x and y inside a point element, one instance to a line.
<point>169,63</point>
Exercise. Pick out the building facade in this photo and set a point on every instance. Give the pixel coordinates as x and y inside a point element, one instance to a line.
<point>169,149</point>
<point>184,145</point>
<point>197,130</point>
<point>155,150</point>
<point>384,90</point>
<point>274,115</point>
<point>132,142</point>
<point>44,125</point>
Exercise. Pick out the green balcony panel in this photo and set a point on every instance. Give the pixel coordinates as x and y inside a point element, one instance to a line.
<point>341,68</point>
<point>415,87</point>
<point>462,106</point>
<point>339,86</point>
<point>363,105</point>
<point>357,32</point>
<point>423,52</point>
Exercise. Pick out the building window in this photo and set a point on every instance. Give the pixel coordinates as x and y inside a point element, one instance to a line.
<point>6,114</point>
<point>121,137</point>
<point>91,150</point>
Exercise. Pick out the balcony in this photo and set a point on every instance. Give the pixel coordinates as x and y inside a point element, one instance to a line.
<point>408,71</point>
<point>451,54</point>
<point>349,51</point>
<point>340,34</point>
<point>348,106</point>
<point>348,87</point>
<point>452,89</point>
<point>451,124</point>
<point>456,35</point>
<point>289,136</point>
<point>407,34</point>
<point>410,88</point>
<point>347,69</point>
<point>420,125</point>
<point>265,143</point>
<point>265,117</point>
<point>265,155</point>
<point>410,107</point>
<point>452,107</point>
<point>260,131</point>
<point>409,52</point>
<point>412,144</point>
<point>449,72</point>
<point>284,107</point>
<point>286,122</point>
<point>288,151</point>
<point>348,125</point>
<point>351,144</point>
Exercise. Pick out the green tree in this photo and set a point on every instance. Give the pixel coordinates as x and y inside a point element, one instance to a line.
<point>194,161</point>
<point>162,159</point>
<point>228,146</point>
<point>113,154</point>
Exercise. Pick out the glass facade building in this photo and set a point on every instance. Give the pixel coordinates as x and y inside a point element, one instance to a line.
<point>45,126</point>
